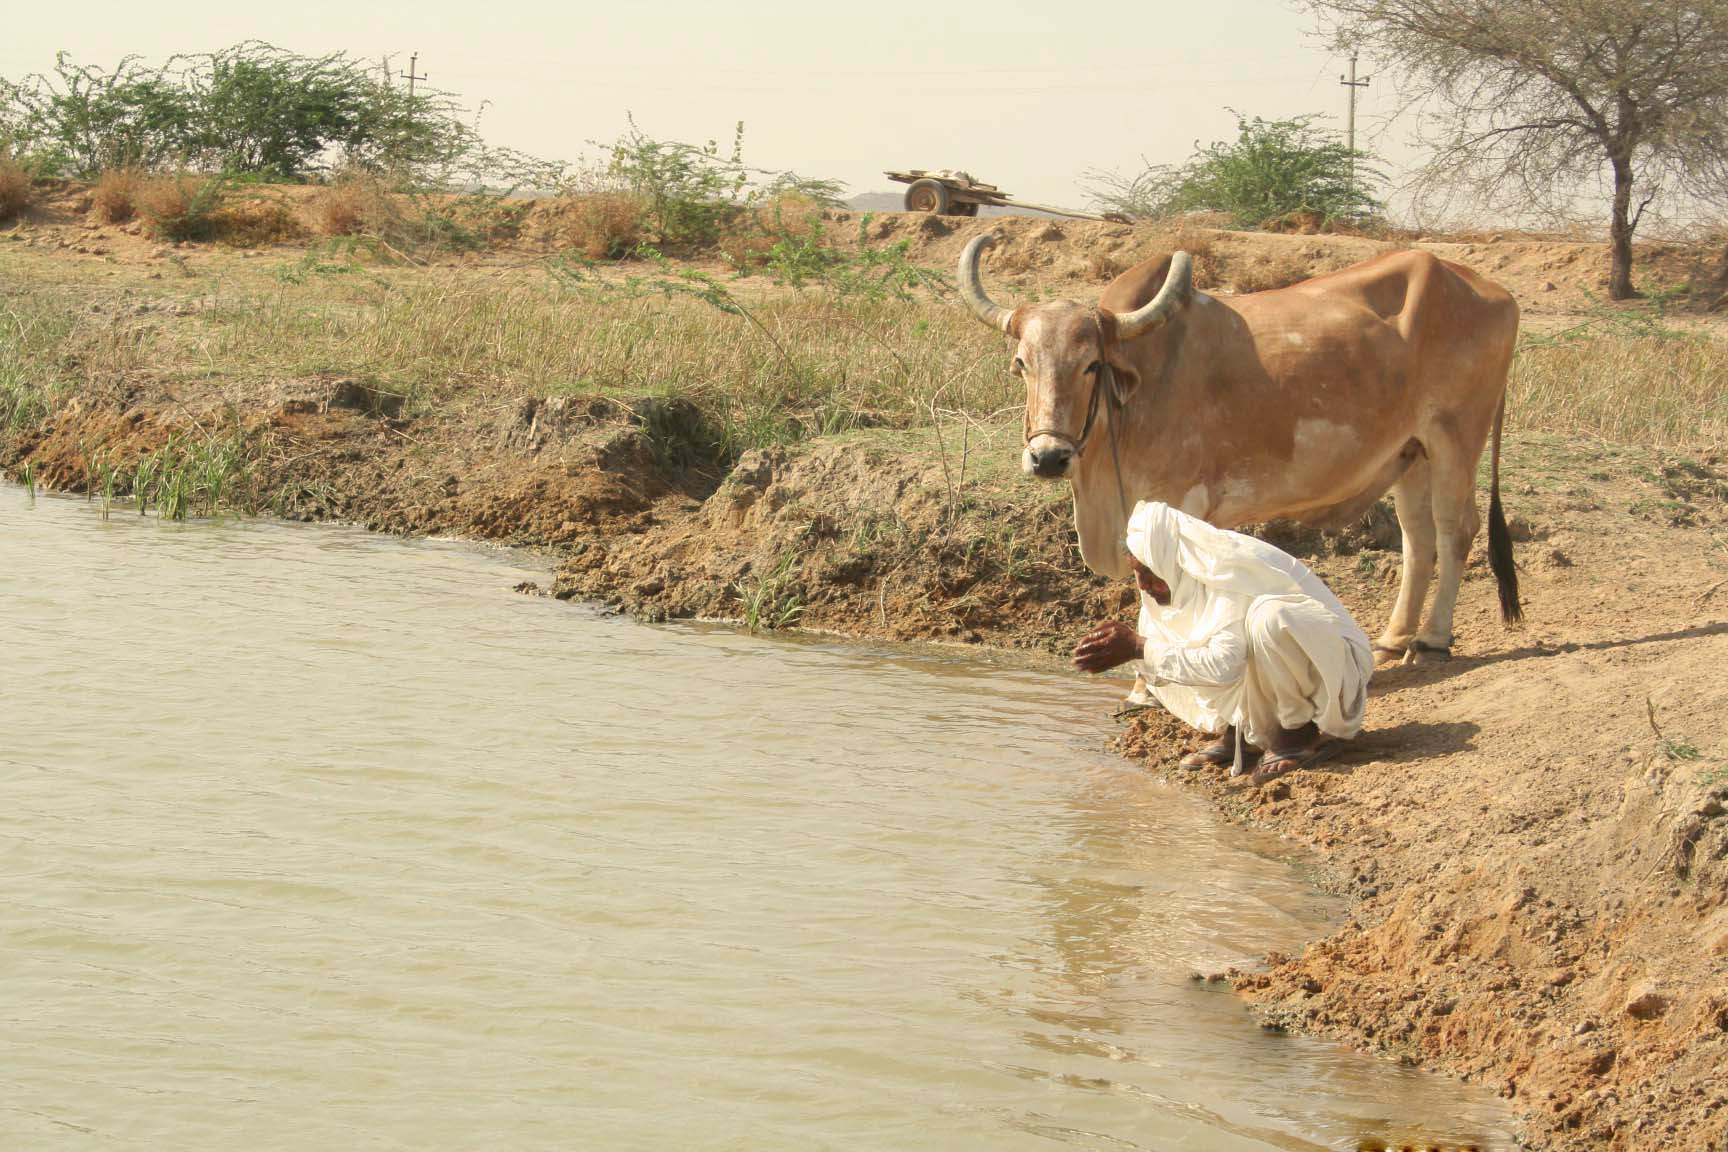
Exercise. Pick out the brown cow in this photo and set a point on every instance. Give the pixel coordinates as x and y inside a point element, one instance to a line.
<point>1306,402</point>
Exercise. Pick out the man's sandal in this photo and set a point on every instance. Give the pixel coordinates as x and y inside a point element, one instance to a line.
<point>1276,764</point>
<point>1218,754</point>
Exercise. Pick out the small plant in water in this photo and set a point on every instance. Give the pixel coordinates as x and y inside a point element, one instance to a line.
<point>144,483</point>
<point>183,479</point>
<point>27,477</point>
<point>174,491</point>
<point>770,604</point>
<point>104,482</point>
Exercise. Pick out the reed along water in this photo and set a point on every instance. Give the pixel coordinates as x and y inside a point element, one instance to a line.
<point>312,839</point>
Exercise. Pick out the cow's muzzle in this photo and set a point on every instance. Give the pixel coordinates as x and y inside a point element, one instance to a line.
<point>1048,457</point>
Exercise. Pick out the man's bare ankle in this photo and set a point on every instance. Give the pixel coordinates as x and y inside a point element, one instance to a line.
<point>1295,739</point>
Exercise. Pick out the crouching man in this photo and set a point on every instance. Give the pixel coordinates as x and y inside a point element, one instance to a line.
<point>1239,640</point>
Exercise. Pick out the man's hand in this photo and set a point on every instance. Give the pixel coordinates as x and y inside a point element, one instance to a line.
<point>1107,646</point>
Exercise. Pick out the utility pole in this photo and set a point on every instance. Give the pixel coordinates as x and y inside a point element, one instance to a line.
<point>1350,120</point>
<point>415,59</point>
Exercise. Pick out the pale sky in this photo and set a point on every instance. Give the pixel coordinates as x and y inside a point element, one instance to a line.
<point>1025,95</point>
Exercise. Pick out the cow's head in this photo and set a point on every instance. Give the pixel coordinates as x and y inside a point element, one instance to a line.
<point>1070,356</point>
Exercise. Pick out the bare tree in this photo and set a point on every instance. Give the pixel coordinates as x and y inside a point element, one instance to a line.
<point>1528,102</point>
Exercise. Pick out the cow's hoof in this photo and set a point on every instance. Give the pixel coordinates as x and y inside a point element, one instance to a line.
<point>1421,653</point>
<point>1388,656</point>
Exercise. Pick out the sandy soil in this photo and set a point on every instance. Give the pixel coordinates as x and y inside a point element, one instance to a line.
<point>1533,832</point>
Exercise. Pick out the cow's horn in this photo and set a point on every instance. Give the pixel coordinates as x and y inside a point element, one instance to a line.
<point>972,288</point>
<point>1177,284</point>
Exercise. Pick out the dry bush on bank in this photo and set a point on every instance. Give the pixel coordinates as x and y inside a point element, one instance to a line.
<point>1303,222</point>
<point>178,207</point>
<point>602,225</point>
<point>421,224</point>
<point>749,239</point>
<point>343,207</point>
<point>1013,260</point>
<point>193,207</point>
<point>1705,280</point>
<point>17,190</point>
<point>255,224</point>
<point>1267,271</point>
<point>114,198</point>
<point>1200,242</point>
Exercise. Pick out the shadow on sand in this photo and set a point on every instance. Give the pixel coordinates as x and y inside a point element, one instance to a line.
<point>1388,681</point>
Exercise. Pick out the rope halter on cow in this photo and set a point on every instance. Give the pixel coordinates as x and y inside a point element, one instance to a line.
<point>1154,314</point>
<point>1105,383</point>
<point>1149,317</point>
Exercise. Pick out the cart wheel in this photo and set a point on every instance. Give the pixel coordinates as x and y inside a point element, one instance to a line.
<point>927,196</point>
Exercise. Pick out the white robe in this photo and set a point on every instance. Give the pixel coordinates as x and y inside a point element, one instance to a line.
<point>1250,637</point>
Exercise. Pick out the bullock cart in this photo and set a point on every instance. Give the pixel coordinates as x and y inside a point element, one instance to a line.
<point>948,192</point>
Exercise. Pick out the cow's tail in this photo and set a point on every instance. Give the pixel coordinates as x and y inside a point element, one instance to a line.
<point>1499,536</point>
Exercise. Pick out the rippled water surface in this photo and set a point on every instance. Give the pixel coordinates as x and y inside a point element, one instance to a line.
<point>316,840</point>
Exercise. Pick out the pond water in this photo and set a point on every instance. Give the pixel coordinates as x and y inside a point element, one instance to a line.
<point>313,839</point>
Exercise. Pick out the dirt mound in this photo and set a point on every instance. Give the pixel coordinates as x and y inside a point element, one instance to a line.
<point>855,538</point>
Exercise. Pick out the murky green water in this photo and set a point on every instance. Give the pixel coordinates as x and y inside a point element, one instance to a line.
<point>313,840</point>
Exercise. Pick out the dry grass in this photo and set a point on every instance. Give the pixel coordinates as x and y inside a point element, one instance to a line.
<point>1264,273</point>
<point>1103,267</point>
<point>179,206</point>
<point>1274,264</point>
<point>1660,389</point>
<point>1015,258</point>
<point>193,207</point>
<point>255,224</point>
<point>114,199</point>
<point>601,225</point>
<point>344,207</point>
<point>1200,241</point>
<point>452,336</point>
<point>17,189</point>
<point>447,336</point>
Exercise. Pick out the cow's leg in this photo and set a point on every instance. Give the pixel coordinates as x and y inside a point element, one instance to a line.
<point>1453,494</point>
<point>1411,497</point>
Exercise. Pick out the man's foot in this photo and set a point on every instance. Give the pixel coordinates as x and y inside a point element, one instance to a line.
<point>1294,748</point>
<point>1221,753</point>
